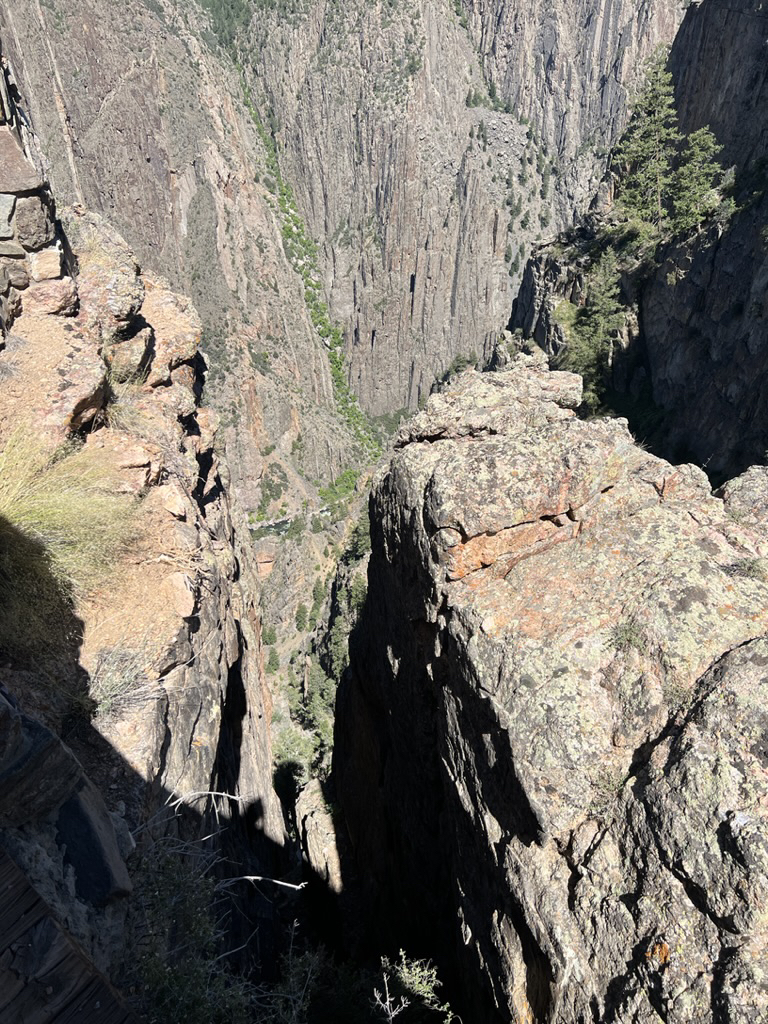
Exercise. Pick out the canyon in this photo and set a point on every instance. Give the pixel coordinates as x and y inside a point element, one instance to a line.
<point>254,258</point>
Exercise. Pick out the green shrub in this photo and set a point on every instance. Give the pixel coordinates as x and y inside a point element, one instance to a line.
<point>748,568</point>
<point>301,617</point>
<point>627,635</point>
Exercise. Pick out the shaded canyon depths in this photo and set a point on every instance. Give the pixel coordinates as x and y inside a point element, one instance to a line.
<point>550,749</point>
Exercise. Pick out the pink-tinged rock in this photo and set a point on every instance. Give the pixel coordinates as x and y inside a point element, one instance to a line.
<point>173,500</point>
<point>18,174</point>
<point>81,393</point>
<point>57,297</point>
<point>177,330</point>
<point>265,563</point>
<point>46,264</point>
<point>181,594</point>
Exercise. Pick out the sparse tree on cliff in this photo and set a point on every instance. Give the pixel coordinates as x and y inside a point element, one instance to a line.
<point>659,182</point>
<point>589,345</point>
<point>647,151</point>
<point>693,194</point>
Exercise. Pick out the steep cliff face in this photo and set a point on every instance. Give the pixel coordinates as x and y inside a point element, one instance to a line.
<point>154,671</point>
<point>704,315</point>
<point>696,327</point>
<point>422,204</point>
<point>144,122</point>
<point>705,331</point>
<point>418,194</point>
<point>549,746</point>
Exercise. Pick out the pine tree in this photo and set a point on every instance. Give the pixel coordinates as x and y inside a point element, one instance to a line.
<point>693,193</point>
<point>648,148</point>
<point>590,341</point>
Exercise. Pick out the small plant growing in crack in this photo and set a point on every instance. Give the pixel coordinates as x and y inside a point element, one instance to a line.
<point>627,635</point>
<point>606,786</point>
<point>747,568</point>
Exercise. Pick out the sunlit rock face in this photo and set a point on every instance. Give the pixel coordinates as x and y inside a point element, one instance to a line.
<point>549,748</point>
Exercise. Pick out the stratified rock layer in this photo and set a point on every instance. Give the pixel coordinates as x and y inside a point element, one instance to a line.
<point>550,748</point>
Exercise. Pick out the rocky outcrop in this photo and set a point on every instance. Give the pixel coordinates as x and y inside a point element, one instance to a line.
<point>143,121</point>
<point>549,748</point>
<point>31,256</point>
<point>157,677</point>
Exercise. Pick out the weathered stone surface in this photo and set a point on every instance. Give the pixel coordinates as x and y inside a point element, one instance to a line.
<point>126,357</point>
<point>19,175</point>
<point>11,248</point>
<point>37,772</point>
<point>7,204</point>
<point>111,289</point>
<point>552,723</point>
<point>180,593</point>
<point>46,264</point>
<point>705,327</point>
<point>58,297</point>
<point>85,830</point>
<point>746,497</point>
<point>16,270</point>
<point>34,221</point>
<point>177,330</point>
<point>318,836</point>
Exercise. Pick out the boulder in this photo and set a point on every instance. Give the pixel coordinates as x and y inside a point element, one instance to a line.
<point>19,175</point>
<point>34,221</point>
<point>17,270</point>
<point>46,264</point>
<point>58,297</point>
<point>108,281</point>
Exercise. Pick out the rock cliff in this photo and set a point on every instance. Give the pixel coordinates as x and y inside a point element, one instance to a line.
<point>427,144</point>
<point>152,673</point>
<point>696,324</point>
<point>704,313</point>
<point>428,147</point>
<point>549,747</point>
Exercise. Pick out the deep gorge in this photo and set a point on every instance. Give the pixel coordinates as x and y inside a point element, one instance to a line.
<point>336,622</point>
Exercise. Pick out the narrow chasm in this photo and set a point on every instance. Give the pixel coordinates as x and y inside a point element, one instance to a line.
<point>420,680</point>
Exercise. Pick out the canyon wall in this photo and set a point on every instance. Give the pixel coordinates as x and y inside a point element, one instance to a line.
<point>411,133</point>
<point>549,748</point>
<point>417,139</point>
<point>696,327</point>
<point>152,675</point>
<point>704,315</point>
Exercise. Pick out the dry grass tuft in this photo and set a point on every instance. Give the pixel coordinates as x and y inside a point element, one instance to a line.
<point>62,526</point>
